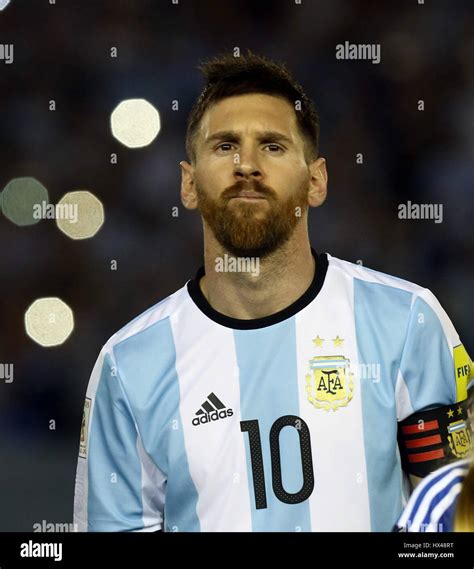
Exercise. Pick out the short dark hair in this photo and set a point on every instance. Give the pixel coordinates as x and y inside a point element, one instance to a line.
<point>227,75</point>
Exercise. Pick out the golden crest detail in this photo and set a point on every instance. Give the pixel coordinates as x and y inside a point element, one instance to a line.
<point>329,385</point>
<point>459,438</point>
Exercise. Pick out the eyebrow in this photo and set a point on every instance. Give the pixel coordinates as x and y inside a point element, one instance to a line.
<point>232,136</point>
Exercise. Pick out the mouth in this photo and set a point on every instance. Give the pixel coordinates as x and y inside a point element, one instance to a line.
<point>249,195</point>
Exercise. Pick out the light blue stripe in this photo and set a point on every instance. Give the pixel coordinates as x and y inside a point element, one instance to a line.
<point>381,315</point>
<point>114,472</point>
<point>269,390</point>
<point>321,364</point>
<point>457,427</point>
<point>147,361</point>
<point>427,365</point>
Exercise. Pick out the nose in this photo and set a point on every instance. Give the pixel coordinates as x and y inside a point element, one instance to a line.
<point>246,166</point>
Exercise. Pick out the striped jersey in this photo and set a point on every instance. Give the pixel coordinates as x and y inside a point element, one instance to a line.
<point>432,505</point>
<point>197,421</point>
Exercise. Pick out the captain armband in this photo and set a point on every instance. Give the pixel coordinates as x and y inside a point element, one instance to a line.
<point>435,437</point>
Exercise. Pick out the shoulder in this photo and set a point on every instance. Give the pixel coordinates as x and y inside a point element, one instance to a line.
<point>434,499</point>
<point>156,317</point>
<point>367,281</point>
<point>371,276</point>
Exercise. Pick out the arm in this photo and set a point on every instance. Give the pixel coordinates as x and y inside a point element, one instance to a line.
<point>118,488</point>
<point>434,374</point>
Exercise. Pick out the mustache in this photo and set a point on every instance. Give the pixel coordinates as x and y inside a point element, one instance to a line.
<point>254,185</point>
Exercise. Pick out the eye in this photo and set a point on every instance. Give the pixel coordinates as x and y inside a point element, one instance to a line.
<point>274,148</point>
<point>225,146</point>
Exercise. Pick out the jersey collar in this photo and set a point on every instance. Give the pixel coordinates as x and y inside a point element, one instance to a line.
<point>308,296</point>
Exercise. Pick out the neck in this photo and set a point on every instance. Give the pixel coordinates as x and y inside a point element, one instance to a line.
<point>248,290</point>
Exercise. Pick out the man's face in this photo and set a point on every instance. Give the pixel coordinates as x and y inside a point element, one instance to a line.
<point>251,144</point>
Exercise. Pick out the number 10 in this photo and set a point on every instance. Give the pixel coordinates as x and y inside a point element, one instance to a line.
<point>256,458</point>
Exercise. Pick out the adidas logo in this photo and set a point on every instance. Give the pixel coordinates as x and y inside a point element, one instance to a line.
<point>211,410</point>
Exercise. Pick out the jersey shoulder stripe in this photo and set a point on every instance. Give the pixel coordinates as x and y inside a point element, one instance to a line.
<point>165,308</point>
<point>419,294</point>
<point>356,271</point>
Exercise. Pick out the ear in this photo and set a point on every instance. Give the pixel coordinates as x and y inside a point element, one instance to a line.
<point>188,191</point>
<point>318,183</point>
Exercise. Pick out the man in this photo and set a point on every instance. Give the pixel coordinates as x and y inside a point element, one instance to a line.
<point>264,394</point>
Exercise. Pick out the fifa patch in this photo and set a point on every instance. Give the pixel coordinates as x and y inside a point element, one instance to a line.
<point>463,370</point>
<point>329,385</point>
<point>85,428</point>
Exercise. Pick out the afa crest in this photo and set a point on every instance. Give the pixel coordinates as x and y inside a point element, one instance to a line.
<point>459,438</point>
<point>330,385</point>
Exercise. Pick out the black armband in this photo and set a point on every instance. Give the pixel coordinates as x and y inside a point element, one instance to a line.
<point>435,437</point>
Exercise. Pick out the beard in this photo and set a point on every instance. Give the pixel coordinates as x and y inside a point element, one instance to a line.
<point>247,229</point>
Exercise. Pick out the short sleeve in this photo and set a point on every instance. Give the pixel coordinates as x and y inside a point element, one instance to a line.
<point>435,368</point>
<point>117,487</point>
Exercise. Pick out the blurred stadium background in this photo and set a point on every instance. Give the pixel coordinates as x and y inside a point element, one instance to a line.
<point>62,52</point>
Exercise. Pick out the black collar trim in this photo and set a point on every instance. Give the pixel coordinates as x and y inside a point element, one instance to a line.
<point>312,291</point>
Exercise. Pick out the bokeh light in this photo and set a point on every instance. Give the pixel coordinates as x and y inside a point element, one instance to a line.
<point>4,4</point>
<point>20,196</point>
<point>87,215</point>
<point>135,123</point>
<point>49,321</point>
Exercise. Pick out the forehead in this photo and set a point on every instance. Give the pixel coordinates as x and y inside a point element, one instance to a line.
<point>248,113</point>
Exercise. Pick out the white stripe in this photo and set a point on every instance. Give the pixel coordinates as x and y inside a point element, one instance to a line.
<point>81,484</point>
<point>215,450</point>
<point>153,492</point>
<point>457,427</point>
<point>408,512</point>
<point>402,398</point>
<point>452,337</point>
<point>370,275</point>
<point>338,451</point>
<point>167,307</point>
<point>441,508</point>
<point>431,494</point>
